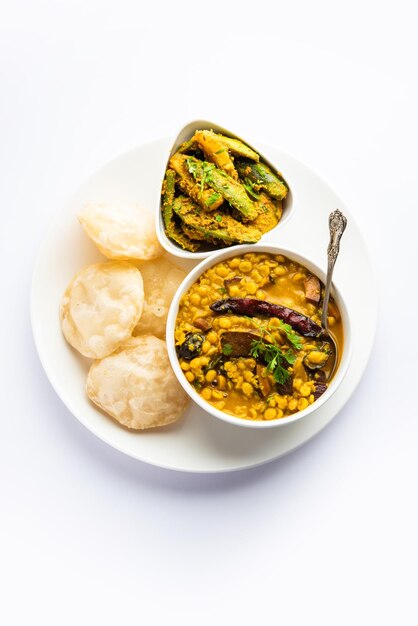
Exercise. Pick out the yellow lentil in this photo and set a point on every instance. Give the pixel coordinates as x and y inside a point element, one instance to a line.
<point>251,288</point>
<point>245,267</point>
<point>195,299</point>
<point>242,389</point>
<point>210,376</point>
<point>298,276</point>
<point>256,276</point>
<point>305,390</point>
<point>212,337</point>
<point>302,404</point>
<point>206,346</point>
<point>280,270</point>
<point>206,393</point>
<point>282,402</point>
<point>221,382</point>
<point>222,271</point>
<point>247,389</point>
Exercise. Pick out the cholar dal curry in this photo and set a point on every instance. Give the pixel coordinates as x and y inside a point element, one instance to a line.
<point>249,339</point>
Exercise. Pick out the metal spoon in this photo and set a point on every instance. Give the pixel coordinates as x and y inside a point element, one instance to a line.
<point>337,223</point>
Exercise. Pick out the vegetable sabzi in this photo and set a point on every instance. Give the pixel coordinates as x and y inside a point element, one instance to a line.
<point>218,192</point>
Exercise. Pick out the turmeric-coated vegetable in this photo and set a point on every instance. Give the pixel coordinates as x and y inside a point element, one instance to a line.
<point>262,177</point>
<point>214,226</point>
<point>230,189</point>
<point>218,192</point>
<point>171,227</point>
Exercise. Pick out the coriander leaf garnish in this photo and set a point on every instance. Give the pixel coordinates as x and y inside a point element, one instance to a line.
<point>213,198</point>
<point>227,349</point>
<point>272,354</point>
<point>291,335</point>
<point>202,174</point>
<point>192,167</point>
<point>218,218</point>
<point>274,358</point>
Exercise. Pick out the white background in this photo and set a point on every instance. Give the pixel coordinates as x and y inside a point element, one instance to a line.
<point>326,535</point>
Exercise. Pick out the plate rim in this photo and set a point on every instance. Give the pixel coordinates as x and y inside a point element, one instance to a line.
<point>55,220</point>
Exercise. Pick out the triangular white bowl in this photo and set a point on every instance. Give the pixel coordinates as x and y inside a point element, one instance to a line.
<point>186,133</point>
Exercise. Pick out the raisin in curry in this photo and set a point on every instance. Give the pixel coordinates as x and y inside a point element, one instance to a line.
<point>249,339</point>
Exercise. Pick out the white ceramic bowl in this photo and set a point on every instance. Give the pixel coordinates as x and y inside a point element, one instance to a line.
<point>193,276</point>
<point>185,134</point>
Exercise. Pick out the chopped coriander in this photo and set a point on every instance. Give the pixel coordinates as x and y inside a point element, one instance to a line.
<point>222,290</point>
<point>276,360</point>
<point>192,166</point>
<point>202,174</point>
<point>227,349</point>
<point>291,335</point>
<point>213,198</point>
<point>218,218</point>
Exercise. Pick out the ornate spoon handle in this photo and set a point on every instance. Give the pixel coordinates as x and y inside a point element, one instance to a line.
<point>337,224</point>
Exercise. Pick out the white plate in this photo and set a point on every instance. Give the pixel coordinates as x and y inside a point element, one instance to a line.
<point>200,443</point>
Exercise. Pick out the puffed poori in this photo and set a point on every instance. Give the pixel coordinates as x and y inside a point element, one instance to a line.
<point>161,280</point>
<point>124,231</point>
<point>101,307</point>
<point>136,385</point>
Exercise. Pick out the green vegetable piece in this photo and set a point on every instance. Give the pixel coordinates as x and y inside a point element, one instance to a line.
<point>215,151</point>
<point>230,189</point>
<point>191,186</point>
<point>267,217</point>
<point>195,235</point>
<point>239,148</point>
<point>172,230</point>
<point>187,146</point>
<point>249,186</point>
<point>169,187</point>
<point>227,230</point>
<point>262,177</point>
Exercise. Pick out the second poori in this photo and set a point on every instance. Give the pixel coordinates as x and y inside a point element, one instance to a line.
<point>115,312</point>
